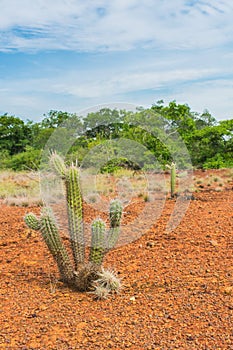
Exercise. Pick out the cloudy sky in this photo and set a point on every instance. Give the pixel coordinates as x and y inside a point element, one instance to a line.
<point>72,54</point>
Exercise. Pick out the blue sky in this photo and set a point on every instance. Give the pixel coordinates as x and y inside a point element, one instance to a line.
<point>73,54</point>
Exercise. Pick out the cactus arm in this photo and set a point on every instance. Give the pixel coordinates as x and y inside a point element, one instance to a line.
<point>75,214</point>
<point>70,175</point>
<point>97,250</point>
<point>32,221</point>
<point>55,245</point>
<point>115,214</point>
<point>58,164</point>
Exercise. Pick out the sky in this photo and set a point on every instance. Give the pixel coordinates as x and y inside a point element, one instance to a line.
<point>71,55</point>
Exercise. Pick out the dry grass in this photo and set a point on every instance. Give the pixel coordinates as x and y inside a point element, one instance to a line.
<point>20,188</point>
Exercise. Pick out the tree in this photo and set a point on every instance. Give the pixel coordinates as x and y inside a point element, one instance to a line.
<point>14,134</point>
<point>55,118</point>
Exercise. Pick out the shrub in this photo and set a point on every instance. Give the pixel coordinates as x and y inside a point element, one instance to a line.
<point>28,160</point>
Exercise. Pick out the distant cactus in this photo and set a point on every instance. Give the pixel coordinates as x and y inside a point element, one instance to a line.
<point>81,274</point>
<point>172,168</point>
<point>173,179</point>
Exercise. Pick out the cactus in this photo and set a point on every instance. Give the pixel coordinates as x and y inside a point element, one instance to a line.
<point>97,242</point>
<point>172,168</point>
<point>173,179</point>
<point>79,274</point>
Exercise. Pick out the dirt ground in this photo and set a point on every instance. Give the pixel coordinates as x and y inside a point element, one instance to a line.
<point>178,286</point>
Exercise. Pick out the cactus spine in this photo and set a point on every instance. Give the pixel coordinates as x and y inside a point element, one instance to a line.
<point>82,274</point>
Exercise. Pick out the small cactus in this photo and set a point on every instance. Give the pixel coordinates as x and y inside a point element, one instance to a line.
<point>108,279</point>
<point>172,168</point>
<point>100,292</point>
<point>106,283</point>
<point>79,274</point>
<point>173,179</point>
<point>115,213</point>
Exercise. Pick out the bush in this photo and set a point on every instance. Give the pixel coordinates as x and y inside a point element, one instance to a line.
<point>118,163</point>
<point>4,156</point>
<point>28,160</point>
<point>217,162</point>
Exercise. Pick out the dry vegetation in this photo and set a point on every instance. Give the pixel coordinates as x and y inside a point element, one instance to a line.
<point>20,188</point>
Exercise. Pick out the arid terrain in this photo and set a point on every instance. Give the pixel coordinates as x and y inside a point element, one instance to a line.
<point>178,286</point>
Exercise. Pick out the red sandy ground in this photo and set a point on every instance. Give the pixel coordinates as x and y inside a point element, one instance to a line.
<point>178,287</point>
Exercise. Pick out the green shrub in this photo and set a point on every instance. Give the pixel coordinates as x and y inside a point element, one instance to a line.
<point>28,160</point>
<point>118,163</point>
<point>216,162</point>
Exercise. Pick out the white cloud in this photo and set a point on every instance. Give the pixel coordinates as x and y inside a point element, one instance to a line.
<point>176,49</point>
<point>123,83</point>
<point>113,25</point>
<point>216,96</point>
<point>169,78</point>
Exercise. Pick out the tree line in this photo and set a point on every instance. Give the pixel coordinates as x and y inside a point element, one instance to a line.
<point>209,142</point>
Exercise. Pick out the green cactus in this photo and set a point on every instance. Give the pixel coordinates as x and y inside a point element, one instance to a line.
<point>115,214</point>
<point>97,242</point>
<point>55,245</point>
<point>172,168</point>
<point>82,274</point>
<point>173,179</point>
<point>58,164</point>
<point>75,214</point>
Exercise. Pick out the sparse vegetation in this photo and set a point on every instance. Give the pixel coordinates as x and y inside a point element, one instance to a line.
<point>20,188</point>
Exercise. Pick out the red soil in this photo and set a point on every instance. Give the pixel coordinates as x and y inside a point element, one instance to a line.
<point>178,287</point>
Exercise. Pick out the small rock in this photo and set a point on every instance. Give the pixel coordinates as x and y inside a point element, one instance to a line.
<point>228,290</point>
<point>189,337</point>
<point>214,243</point>
<point>150,244</point>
